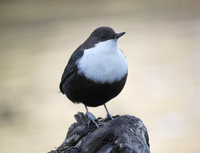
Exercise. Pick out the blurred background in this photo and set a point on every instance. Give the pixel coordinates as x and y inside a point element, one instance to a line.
<point>162,45</point>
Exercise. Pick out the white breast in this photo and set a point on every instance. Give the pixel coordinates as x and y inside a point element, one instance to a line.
<point>103,63</point>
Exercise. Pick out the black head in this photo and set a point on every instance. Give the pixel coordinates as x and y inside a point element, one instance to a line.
<point>105,33</point>
<point>99,35</point>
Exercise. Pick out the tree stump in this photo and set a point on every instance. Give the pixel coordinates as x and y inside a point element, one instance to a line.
<point>123,134</point>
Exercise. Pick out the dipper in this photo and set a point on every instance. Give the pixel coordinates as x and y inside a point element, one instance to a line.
<point>96,72</point>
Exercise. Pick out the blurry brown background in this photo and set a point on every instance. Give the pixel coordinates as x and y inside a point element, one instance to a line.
<point>162,45</point>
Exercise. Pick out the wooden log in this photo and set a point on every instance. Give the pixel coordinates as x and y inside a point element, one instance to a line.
<point>123,134</point>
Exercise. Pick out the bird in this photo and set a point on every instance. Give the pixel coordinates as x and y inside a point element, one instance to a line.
<point>96,71</point>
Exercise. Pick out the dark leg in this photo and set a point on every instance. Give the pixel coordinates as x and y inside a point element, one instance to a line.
<point>91,117</point>
<point>108,114</point>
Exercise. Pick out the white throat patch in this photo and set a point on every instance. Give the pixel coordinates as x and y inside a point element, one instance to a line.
<point>103,63</point>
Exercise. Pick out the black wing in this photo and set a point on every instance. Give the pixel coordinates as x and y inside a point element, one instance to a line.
<point>70,68</point>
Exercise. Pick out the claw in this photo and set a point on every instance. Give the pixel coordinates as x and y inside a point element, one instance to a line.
<point>108,114</point>
<point>109,117</point>
<point>91,118</point>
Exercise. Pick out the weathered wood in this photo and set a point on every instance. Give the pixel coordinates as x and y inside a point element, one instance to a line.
<point>123,134</point>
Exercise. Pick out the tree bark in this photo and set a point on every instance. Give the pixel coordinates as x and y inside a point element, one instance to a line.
<point>123,134</point>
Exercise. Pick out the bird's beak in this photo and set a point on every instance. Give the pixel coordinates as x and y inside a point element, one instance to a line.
<point>117,35</point>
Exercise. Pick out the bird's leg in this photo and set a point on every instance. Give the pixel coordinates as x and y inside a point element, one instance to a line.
<point>91,117</point>
<point>108,114</point>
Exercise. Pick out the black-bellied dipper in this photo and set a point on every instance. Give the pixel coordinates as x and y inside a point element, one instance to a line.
<point>96,72</point>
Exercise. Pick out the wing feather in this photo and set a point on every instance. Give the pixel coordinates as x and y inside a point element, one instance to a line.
<point>70,68</point>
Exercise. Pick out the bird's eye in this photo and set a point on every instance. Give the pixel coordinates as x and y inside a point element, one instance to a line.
<point>102,35</point>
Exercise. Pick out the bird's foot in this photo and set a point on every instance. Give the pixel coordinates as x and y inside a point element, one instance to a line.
<point>108,117</point>
<point>92,119</point>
